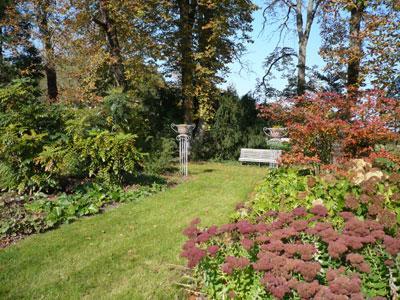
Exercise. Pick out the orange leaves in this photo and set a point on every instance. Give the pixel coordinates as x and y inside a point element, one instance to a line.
<point>367,37</point>
<point>318,125</point>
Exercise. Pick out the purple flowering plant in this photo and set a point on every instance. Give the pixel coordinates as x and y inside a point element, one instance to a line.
<point>317,250</point>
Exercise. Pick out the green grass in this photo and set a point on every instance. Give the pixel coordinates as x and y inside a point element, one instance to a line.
<point>127,252</point>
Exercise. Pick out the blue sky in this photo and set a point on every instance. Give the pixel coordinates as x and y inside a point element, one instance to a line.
<point>264,43</point>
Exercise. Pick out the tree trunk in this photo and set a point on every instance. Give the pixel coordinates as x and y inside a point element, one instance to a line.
<point>303,37</point>
<point>204,33</point>
<point>49,63</point>
<point>355,54</point>
<point>2,75</point>
<point>353,68</point>
<point>1,45</point>
<point>107,23</point>
<point>301,68</point>
<point>2,14</point>
<point>186,21</point>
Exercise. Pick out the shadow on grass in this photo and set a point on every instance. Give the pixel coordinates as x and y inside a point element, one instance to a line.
<point>145,179</point>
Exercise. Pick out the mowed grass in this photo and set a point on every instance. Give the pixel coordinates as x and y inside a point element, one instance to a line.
<point>128,252</point>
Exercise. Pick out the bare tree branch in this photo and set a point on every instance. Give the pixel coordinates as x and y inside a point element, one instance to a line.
<point>273,63</point>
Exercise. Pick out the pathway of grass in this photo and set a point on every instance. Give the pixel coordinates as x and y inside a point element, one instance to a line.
<point>126,252</point>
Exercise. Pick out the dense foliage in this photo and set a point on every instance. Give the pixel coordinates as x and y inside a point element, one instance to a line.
<point>323,125</point>
<point>236,125</point>
<point>27,125</point>
<point>42,145</point>
<point>304,236</point>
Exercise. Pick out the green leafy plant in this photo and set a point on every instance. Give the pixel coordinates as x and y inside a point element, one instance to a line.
<point>285,189</point>
<point>160,160</point>
<point>27,124</point>
<point>124,112</point>
<point>87,150</point>
<point>16,219</point>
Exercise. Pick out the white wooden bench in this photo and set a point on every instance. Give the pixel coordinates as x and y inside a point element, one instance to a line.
<point>260,156</point>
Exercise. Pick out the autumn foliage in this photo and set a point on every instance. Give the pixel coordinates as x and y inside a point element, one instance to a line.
<point>322,123</point>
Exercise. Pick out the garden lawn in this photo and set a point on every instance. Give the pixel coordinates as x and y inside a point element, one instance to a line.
<point>128,252</point>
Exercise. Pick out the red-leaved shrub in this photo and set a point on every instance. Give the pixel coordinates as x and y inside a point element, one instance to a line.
<point>322,123</point>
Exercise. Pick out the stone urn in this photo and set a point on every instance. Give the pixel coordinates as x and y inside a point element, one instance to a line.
<point>276,132</point>
<point>183,128</point>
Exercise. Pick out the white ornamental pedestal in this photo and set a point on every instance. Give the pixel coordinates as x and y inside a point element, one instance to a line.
<point>184,131</point>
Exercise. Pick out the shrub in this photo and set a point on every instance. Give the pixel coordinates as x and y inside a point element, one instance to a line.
<point>18,147</point>
<point>105,155</point>
<point>110,156</point>
<point>278,145</point>
<point>227,128</point>
<point>160,160</point>
<point>236,125</point>
<point>42,146</point>
<point>124,113</point>
<point>384,159</point>
<point>317,122</point>
<point>26,125</point>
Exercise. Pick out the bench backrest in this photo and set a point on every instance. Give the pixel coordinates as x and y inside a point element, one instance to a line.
<point>260,153</point>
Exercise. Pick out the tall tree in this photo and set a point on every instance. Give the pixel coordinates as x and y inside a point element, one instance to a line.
<point>4,66</point>
<point>363,38</point>
<point>187,14</point>
<point>33,20</point>
<point>42,11</point>
<point>3,6</point>
<point>210,34</point>
<point>355,42</point>
<point>122,37</point>
<point>222,33</point>
<point>303,33</point>
<point>303,15</point>
<point>107,24</point>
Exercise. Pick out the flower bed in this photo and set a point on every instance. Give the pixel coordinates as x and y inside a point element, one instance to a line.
<point>24,215</point>
<point>308,237</point>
